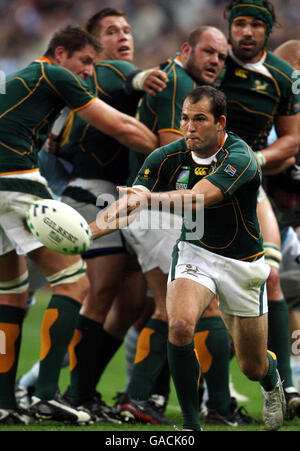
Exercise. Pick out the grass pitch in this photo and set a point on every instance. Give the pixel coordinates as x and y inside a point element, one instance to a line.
<point>114,380</point>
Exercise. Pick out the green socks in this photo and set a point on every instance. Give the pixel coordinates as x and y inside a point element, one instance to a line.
<point>213,350</point>
<point>11,320</point>
<point>150,358</point>
<point>279,339</point>
<point>271,378</point>
<point>90,351</point>
<point>59,322</point>
<point>185,372</point>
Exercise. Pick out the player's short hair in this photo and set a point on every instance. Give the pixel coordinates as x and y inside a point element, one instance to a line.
<point>217,99</point>
<point>196,34</point>
<point>92,25</point>
<point>72,39</point>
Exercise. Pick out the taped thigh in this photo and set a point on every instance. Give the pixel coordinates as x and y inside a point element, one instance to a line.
<point>273,255</point>
<point>18,285</point>
<point>71,274</point>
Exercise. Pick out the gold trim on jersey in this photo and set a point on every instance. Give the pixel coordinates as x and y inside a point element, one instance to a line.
<point>249,110</point>
<point>172,130</point>
<point>19,172</point>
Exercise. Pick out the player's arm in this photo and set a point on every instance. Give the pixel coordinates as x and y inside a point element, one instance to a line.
<point>151,81</point>
<point>280,154</point>
<point>123,212</point>
<point>125,129</point>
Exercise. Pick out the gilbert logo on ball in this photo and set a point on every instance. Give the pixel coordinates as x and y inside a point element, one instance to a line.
<point>59,227</point>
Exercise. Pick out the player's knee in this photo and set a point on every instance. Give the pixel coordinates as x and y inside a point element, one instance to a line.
<point>273,280</point>
<point>71,281</point>
<point>181,331</point>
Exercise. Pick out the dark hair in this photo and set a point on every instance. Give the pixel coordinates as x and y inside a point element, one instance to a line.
<point>92,24</point>
<point>217,99</point>
<point>266,4</point>
<point>72,39</point>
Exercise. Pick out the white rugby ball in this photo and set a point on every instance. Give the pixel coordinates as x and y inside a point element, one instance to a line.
<point>59,227</point>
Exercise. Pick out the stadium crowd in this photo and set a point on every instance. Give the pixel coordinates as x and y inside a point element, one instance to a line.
<point>94,309</point>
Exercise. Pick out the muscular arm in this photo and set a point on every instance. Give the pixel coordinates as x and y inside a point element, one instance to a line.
<point>280,155</point>
<point>122,212</point>
<point>125,129</point>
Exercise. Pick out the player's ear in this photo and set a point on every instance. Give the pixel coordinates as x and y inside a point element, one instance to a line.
<point>59,54</point>
<point>185,50</point>
<point>222,123</point>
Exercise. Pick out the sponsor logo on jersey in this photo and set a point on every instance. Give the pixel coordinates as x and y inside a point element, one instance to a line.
<point>201,170</point>
<point>230,170</point>
<point>241,73</point>
<point>183,178</point>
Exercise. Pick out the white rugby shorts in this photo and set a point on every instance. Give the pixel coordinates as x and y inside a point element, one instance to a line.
<point>107,244</point>
<point>14,234</point>
<point>152,237</point>
<point>290,265</point>
<point>239,285</point>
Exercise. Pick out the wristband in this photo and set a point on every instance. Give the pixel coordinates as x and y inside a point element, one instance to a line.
<point>139,79</point>
<point>260,158</point>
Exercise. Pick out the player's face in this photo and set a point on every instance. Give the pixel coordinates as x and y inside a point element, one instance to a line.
<point>201,131</point>
<point>206,60</point>
<point>116,38</point>
<point>248,36</point>
<point>81,61</point>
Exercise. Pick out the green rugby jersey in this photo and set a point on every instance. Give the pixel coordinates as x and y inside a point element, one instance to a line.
<point>34,97</point>
<point>256,94</point>
<point>162,112</point>
<point>95,155</point>
<point>231,227</point>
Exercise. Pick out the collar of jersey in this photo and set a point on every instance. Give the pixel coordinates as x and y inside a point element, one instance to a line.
<point>43,59</point>
<point>257,67</point>
<point>209,160</point>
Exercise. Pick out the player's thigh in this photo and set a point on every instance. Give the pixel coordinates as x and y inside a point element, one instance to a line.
<point>106,272</point>
<point>12,266</point>
<point>186,301</point>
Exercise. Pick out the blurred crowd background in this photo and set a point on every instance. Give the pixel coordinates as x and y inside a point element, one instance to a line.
<point>159,26</point>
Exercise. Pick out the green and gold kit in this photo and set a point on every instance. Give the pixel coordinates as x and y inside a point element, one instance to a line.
<point>95,155</point>
<point>162,112</point>
<point>256,93</point>
<point>33,98</point>
<point>231,227</point>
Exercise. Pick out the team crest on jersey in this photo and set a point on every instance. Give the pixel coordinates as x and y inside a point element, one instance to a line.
<point>230,170</point>
<point>183,178</point>
<point>261,86</point>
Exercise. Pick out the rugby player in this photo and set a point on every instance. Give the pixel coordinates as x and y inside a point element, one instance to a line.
<point>226,260</point>
<point>34,96</point>
<point>258,86</point>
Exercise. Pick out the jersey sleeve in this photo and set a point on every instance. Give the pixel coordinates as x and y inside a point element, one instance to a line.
<point>165,107</point>
<point>237,168</point>
<point>153,173</point>
<point>69,87</point>
<point>289,103</point>
<point>112,75</point>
